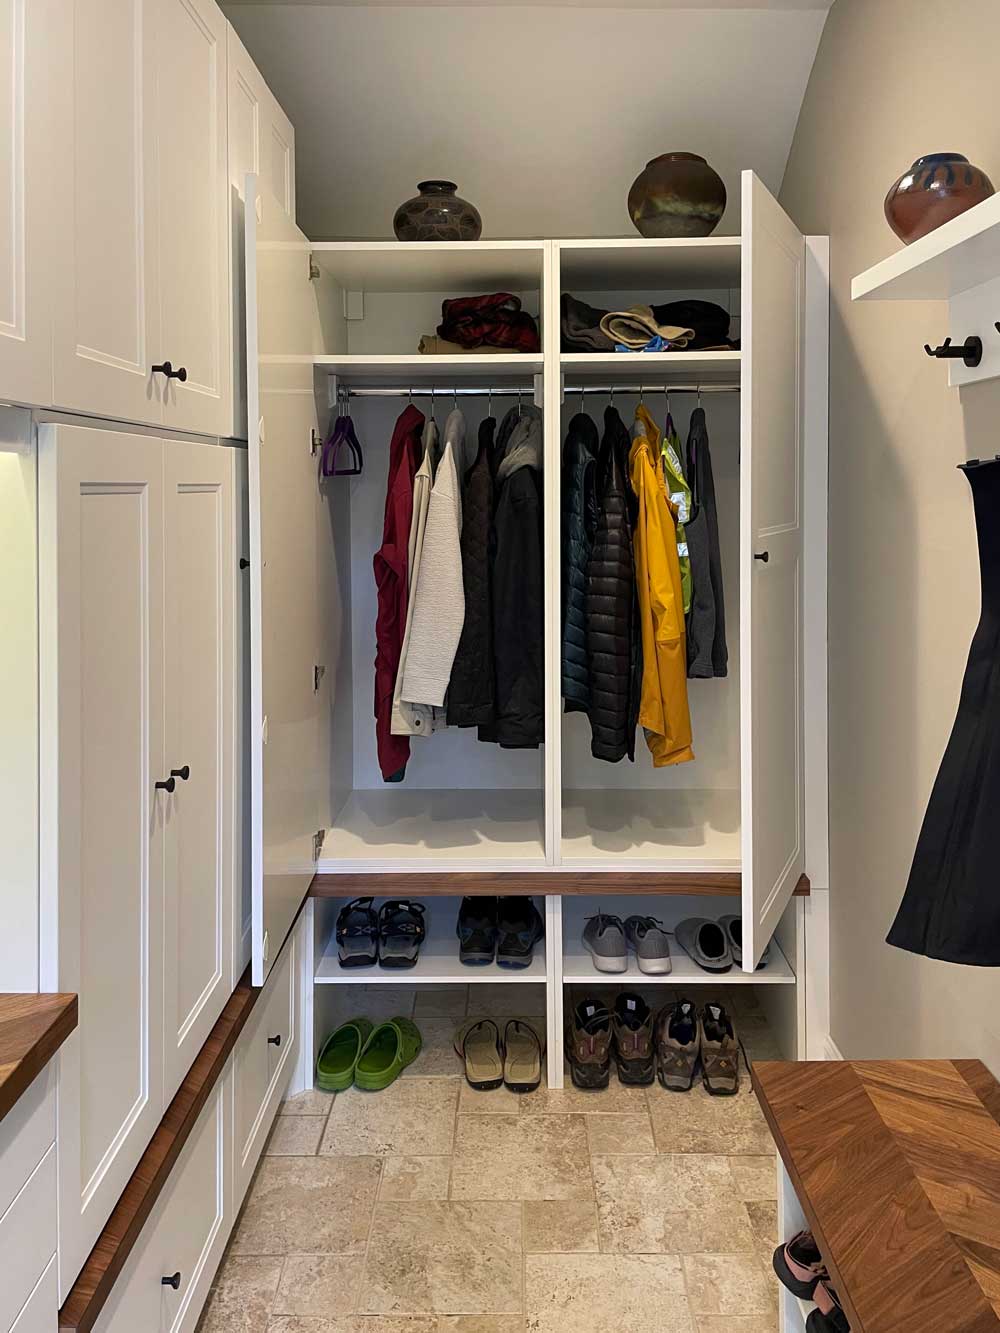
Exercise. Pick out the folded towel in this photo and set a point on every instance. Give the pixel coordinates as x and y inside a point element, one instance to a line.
<point>431,345</point>
<point>637,325</point>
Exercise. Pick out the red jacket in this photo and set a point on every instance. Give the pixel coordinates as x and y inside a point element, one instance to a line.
<point>391,576</point>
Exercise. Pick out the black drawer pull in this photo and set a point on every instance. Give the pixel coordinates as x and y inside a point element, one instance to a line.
<point>762,556</point>
<point>274,1041</point>
<point>168,785</point>
<point>244,562</point>
<point>182,773</point>
<point>172,1281</point>
<point>167,369</point>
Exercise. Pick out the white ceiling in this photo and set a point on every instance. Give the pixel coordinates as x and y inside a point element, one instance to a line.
<point>543,117</point>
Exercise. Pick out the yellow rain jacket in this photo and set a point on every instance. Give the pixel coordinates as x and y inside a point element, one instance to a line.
<point>663,707</point>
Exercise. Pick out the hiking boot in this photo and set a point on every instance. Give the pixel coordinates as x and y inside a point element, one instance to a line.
<point>357,934</point>
<point>677,1045</point>
<point>588,1044</point>
<point>604,940</point>
<point>649,942</point>
<point>633,1028</point>
<point>519,928</point>
<point>477,931</point>
<point>719,1051</point>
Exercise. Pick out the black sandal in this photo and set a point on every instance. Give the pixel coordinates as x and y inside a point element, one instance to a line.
<point>357,934</point>
<point>401,931</point>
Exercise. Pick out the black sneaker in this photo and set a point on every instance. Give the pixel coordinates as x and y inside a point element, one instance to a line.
<point>401,932</point>
<point>519,927</point>
<point>357,934</point>
<point>477,931</point>
<point>634,1050</point>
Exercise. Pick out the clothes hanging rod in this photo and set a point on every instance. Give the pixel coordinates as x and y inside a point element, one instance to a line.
<point>508,391</point>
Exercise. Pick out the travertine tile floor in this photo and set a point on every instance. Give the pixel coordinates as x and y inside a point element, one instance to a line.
<point>431,1208</point>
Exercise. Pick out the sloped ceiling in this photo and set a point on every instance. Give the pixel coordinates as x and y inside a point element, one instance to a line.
<point>542,114</point>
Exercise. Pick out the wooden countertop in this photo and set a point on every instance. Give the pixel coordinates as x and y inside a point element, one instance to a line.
<point>32,1028</point>
<point>896,1164</point>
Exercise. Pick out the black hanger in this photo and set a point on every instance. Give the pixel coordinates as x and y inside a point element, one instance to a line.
<point>342,434</point>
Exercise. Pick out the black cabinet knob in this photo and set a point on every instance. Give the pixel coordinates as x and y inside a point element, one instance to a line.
<point>169,785</point>
<point>182,773</point>
<point>173,1281</point>
<point>763,556</point>
<point>166,368</point>
<point>244,562</point>
<point>274,1041</point>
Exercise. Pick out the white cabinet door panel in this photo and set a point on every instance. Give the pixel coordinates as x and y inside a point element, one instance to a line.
<point>106,315</point>
<point>771,665</point>
<point>101,732</point>
<point>199,557</point>
<point>192,217</point>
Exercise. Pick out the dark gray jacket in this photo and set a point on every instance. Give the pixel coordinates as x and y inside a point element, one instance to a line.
<point>579,523</point>
<point>707,652</point>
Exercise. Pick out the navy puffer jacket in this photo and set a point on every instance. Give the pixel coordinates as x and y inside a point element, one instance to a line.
<point>579,524</point>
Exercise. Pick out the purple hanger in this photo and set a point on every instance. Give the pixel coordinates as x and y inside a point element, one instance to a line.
<point>343,433</point>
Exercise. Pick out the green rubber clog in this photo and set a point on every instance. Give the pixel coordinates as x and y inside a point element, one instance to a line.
<point>339,1057</point>
<point>389,1049</point>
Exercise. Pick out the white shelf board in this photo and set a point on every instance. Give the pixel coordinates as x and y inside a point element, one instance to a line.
<point>635,263</point>
<point>394,831</point>
<point>676,828</point>
<point>657,367</point>
<point>443,370</point>
<point>579,969</point>
<point>963,254</point>
<point>450,267</point>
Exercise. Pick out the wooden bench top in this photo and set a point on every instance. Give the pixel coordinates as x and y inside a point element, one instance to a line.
<point>32,1028</point>
<point>896,1164</point>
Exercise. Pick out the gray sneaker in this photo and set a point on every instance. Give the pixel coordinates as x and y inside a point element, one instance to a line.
<point>733,927</point>
<point>647,939</point>
<point>706,942</point>
<point>604,939</point>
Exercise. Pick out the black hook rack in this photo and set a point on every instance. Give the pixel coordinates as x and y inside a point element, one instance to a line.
<point>971,351</point>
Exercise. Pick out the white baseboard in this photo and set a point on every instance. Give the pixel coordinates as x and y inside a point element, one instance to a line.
<point>831,1051</point>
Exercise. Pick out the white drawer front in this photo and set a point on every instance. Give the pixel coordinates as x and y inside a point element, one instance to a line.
<point>27,1132</point>
<point>41,1312</point>
<point>185,1234</point>
<point>27,1238</point>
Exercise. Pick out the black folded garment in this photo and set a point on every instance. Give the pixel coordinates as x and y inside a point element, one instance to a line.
<point>582,332</point>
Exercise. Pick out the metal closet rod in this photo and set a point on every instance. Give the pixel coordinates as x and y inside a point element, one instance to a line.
<point>507,391</point>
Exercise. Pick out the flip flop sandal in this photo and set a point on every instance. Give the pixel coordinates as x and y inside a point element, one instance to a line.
<point>799,1265</point>
<point>337,1060</point>
<point>478,1046</point>
<point>522,1068</point>
<point>829,1311</point>
<point>401,932</point>
<point>389,1049</point>
<point>834,1322</point>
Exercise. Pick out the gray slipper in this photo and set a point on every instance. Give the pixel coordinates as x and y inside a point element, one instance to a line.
<point>706,942</point>
<point>733,927</point>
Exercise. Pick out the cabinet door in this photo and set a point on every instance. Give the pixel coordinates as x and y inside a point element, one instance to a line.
<point>35,56</point>
<point>261,140</point>
<point>199,558</point>
<point>107,311</point>
<point>242,897</point>
<point>189,68</point>
<point>102,816</point>
<point>771,564</point>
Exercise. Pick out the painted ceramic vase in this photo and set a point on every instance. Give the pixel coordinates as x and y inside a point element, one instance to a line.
<point>935,189</point>
<point>437,214</point>
<point>677,194</point>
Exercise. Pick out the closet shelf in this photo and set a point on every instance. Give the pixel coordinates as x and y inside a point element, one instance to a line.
<point>579,970</point>
<point>437,964</point>
<point>685,829</point>
<point>640,264</point>
<point>963,254</point>
<point>659,367</point>
<point>432,266</point>
<point>443,370</point>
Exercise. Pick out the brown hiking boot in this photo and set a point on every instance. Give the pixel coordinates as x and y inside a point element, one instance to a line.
<point>677,1045</point>
<point>633,1025</point>
<point>720,1052</point>
<point>588,1044</point>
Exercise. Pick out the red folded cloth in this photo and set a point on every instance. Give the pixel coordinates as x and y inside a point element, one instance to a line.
<point>496,321</point>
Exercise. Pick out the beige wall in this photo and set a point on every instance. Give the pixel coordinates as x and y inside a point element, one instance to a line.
<point>894,79</point>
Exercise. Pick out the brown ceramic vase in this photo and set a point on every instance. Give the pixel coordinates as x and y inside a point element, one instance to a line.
<point>677,194</point>
<point>437,214</point>
<point>935,189</point>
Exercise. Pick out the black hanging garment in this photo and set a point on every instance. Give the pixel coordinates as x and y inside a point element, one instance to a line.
<point>579,522</point>
<point>472,688</point>
<point>707,652</point>
<point>951,907</point>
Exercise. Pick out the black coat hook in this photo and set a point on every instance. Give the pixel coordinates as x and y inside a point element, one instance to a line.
<point>971,351</point>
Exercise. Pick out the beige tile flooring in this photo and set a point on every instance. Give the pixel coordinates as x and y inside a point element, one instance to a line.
<point>432,1208</point>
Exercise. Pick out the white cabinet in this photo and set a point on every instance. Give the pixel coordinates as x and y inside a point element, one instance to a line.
<point>28,1301</point>
<point>136,596</point>
<point>199,703</point>
<point>141,255</point>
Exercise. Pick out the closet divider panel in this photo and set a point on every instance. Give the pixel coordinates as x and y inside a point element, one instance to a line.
<point>771,564</point>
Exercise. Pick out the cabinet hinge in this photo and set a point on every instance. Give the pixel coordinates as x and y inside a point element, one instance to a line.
<point>314,270</point>
<point>318,673</point>
<point>318,838</point>
<point>315,443</point>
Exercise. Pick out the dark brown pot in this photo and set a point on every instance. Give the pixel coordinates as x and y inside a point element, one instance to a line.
<point>935,189</point>
<point>677,194</point>
<point>437,214</point>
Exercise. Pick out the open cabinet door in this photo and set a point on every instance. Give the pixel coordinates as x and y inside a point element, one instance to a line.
<point>773,297</point>
<point>286,710</point>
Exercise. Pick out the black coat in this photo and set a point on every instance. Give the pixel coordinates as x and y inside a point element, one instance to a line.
<point>579,523</point>
<point>613,644</point>
<point>518,597</point>
<point>472,688</point>
<point>707,652</point>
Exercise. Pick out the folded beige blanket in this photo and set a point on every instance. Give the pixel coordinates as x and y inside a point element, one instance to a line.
<point>431,345</point>
<point>634,328</point>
